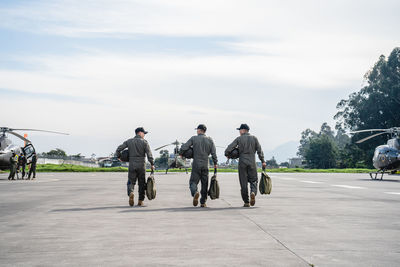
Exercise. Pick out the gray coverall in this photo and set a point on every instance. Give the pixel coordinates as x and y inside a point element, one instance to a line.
<point>248,145</point>
<point>32,169</point>
<point>13,168</point>
<point>138,148</point>
<point>202,146</point>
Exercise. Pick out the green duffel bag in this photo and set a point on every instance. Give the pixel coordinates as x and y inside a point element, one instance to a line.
<point>151,187</point>
<point>265,186</point>
<point>213,192</point>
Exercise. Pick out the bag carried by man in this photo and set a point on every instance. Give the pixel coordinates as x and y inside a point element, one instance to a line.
<point>151,191</point>
<point>265,186</point>
<point>213,192</point>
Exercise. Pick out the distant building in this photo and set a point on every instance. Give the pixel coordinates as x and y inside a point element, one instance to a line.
<point>295,163</point>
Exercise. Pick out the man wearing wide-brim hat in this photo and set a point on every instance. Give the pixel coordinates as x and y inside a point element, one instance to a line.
<point>202,146</point>
<point>247,145</point>
<point>138,148</point>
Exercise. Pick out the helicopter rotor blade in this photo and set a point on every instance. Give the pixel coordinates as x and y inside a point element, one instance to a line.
<point>19,136</point>
<point>158,148</point>
<point>370,130</point>
<point>369,137</point>
<point>36,130</point>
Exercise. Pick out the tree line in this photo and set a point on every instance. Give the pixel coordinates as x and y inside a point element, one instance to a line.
<point>375,106</point>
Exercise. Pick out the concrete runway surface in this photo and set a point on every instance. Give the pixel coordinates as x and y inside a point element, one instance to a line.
<point>83,219</point>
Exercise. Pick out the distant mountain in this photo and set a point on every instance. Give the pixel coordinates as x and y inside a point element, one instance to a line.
<point>283,152</point>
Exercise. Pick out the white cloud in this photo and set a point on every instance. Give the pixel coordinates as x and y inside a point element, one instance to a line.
<point>255,18</point>
<point>288,63</point>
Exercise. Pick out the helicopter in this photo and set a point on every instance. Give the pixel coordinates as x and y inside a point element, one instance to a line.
<point>174,160</point>
<point>386,157</point>
<point>7,147</point>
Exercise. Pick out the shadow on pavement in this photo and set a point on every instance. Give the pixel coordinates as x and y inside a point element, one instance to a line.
<point>89,209</point>
<point>147,209</point>
<point>379,180</point>
<point>184,209</point>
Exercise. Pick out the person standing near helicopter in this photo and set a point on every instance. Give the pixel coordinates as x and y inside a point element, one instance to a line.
<point>202,146</point>
<point>21,164</point>
<point>32,169</point>
<point>13,166</point>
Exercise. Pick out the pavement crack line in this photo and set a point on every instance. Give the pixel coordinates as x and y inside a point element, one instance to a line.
<point>271,235</point>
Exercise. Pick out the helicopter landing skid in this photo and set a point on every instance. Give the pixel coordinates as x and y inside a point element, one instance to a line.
<point>374,175</point>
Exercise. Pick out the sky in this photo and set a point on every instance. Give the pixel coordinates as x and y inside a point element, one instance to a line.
<point>99,69</point>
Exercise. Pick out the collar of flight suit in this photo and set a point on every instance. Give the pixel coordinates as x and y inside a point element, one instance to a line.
<point>201,134</point>
<point>246,134</point>
<point>138,136</point>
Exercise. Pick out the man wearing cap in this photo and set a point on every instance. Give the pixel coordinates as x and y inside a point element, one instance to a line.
<point>138,148</point>
<point>32,169</point>
<point>202,146</point>
<point>247,145</point>
<point>13,166</point>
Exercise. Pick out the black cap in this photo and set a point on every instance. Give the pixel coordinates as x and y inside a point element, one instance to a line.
<point>201,127</point>
<point>140,129</point>
<point>243,126</point>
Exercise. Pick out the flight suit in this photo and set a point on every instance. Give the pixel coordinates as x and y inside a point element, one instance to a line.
<point>247,145</point>
<point>32,169</point>
<point>138,149</point>
<point>202,146</point>
<point>22,165</point>
<point>13,168</point>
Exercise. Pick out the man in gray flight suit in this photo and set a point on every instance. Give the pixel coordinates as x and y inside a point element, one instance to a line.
<point>138,148</point>
<point>13,166</point>
<point>202,146</point>
<point>247,145</point>
<point>32,169</point>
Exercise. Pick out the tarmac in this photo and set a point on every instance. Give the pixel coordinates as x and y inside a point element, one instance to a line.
<point>83,219</point>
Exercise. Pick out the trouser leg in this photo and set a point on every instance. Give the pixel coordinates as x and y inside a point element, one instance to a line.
<point>142,183</point>
<point>23,171</point>
<point>34,172</point>
<point>129,188</point>
<point>252,178</point>
<point>243,183</point>
<point>11,173</point>
<point>204,185</point>
<point>194,180</point>
<point>132,177</point>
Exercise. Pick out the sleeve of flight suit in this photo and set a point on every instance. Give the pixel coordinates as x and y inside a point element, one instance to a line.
<point>121,147</point>
<point>213,152</point>
<point>260,153</point>
<point>232,146</point>
<point>186,146</point>
<point>149,154</point>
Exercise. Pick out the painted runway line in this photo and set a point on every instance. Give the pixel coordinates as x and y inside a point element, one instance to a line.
<point>348,186</point>
<point>311,182</point>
